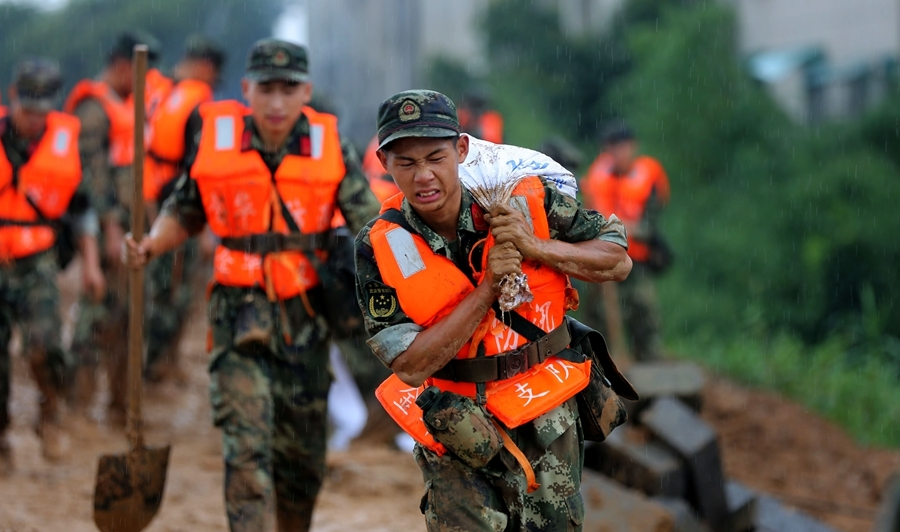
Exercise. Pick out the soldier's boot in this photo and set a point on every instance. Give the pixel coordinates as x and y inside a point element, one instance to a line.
<point>297,518</point>
<point>6,458</point>
<point>54,440</point>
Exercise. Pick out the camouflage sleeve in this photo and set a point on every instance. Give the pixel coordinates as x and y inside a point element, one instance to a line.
<point>392,331</point>
<point>570,222</point>
<point>93,146</point>
<point>84,216</point>
<point>185,203</point>
<point>648,225</point>
<point>355,198</point>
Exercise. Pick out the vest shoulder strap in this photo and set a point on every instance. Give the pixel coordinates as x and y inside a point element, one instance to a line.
<point>518,323</point>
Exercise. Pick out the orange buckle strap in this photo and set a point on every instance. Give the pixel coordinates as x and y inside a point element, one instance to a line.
<point>519,456</point>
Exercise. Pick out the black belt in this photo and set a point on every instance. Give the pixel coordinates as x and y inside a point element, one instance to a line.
<point>5,222</point>
<point>509,364</point>
<point>264,243</point>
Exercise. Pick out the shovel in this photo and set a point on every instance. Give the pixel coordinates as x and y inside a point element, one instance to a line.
<point>130,486</point>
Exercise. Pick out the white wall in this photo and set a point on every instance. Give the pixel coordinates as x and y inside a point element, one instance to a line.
<point>848,30</point>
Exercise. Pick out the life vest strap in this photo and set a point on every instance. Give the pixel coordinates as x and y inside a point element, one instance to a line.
<point>6,222</point>
<point>509,364</point>
<point>265,243</point>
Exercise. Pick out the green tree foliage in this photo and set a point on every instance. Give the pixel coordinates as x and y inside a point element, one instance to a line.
<point>572,74</point>
<point>79,35</point>
<point>785,235</point>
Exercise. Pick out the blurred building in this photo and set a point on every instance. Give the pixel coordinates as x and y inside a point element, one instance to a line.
<point>822,60</point>
<point>362,51</point>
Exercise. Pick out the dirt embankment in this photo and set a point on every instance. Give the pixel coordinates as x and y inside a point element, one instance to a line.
<point>767,443</point>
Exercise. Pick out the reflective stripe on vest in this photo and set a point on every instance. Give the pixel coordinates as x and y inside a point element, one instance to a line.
<point>120,115</point>
<point>626,196</point>
<point>236,188</point>
<point>49,178</point>
<point>165,134</point>
<point>408,265</point>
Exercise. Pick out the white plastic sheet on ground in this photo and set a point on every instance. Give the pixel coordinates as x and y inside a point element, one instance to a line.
<point>346,408</point>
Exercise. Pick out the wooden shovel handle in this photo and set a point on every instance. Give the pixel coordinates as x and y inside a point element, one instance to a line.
<point>136,275</point>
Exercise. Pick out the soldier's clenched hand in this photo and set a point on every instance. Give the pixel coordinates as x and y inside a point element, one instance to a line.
<point>508,225</point>
<point>136,255</point>
<point>503,259</point>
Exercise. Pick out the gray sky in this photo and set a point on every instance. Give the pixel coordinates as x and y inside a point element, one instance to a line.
<point>44,4</point>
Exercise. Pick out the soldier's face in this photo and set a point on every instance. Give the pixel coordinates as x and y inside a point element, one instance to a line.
<point>276,105</point>
<point>622,154</point>
<point>28,122</point>
<point>427,172</point>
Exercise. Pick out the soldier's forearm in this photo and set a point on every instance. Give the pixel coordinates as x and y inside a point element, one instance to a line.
<point>594,261</point>
<point>165,235</point>
<point>90,251</point>
<point>438,344</point>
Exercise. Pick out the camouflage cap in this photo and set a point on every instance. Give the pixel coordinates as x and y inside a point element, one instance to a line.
<point>38,83</point>
<point>416,113</point>
<point>124,45</point>
<point>274,59</point>
<point>200,47</point>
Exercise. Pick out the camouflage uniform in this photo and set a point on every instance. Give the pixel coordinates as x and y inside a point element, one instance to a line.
<point>638,303</point>
<point>271,402</point>
<point>29,295</point>
<point>458,497</point>
<point>169,295</point>
<point>102,327</point>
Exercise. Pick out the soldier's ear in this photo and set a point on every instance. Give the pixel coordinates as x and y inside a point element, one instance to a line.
<point>245,89</point>
<point>382,157</point>
<point>462,147</point>
<point>307,89</point>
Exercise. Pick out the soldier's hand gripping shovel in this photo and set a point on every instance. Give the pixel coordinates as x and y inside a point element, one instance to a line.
<point>130,486</point>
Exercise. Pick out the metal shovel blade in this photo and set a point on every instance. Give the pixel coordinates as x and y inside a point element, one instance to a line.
<point>130,488</point>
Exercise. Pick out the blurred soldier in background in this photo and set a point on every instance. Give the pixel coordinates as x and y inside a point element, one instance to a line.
<point>268,180</point>
<point>563,152</point>
<point>105,108</point>
<point>40,184</point>
<point>636,189</point>
<point>478,119</point>
<point>169,289</point>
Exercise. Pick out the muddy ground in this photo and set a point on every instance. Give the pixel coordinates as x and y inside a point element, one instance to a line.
<point>767,443</point>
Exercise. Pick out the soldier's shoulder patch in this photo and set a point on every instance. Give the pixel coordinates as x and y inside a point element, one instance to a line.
<point>381,300</point>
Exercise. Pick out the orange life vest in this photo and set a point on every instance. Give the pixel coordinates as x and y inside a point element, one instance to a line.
<point>626,196</point>
<point>489,125</point>
<point>165,134</point>
<point>49,178</point>
<point>119,113</point>
<point>157,88</point>
<point>430,286</point>
<point>239,199</point>
<point>380,182</point>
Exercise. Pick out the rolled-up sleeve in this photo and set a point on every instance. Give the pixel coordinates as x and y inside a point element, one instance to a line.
<point>392,333</point>
<point>570,222</point>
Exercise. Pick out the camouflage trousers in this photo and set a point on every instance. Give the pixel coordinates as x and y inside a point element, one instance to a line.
<point>29,297</point>
<point>272,409</point>
<point>639,309</point>
<point>168,300</point>
<point>101,333</point>
<point>494,498</point>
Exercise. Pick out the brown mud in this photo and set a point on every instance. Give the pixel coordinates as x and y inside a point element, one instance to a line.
<point>767,443</point>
